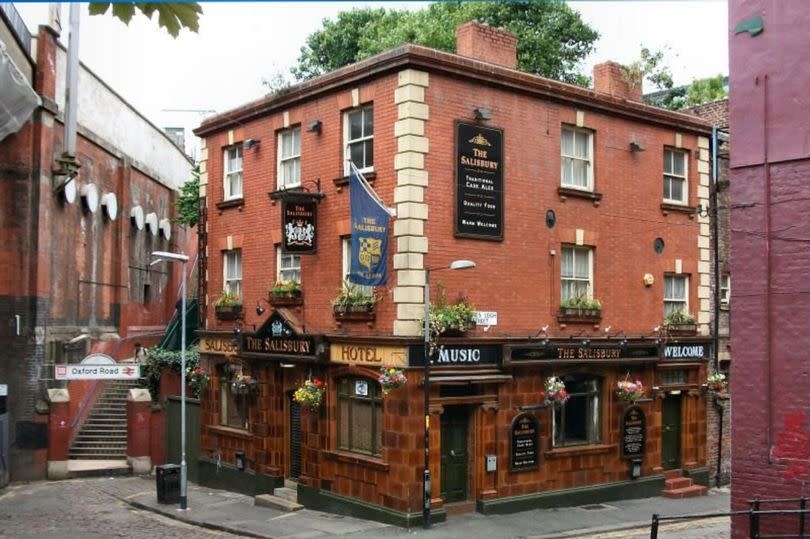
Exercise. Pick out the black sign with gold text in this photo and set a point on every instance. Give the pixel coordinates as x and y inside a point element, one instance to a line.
<point>299,224</point>
<point>525,453</point>
<point>277,337</point>
<point>634,433</point>
<point>531,352</point>
<point>479,182</point>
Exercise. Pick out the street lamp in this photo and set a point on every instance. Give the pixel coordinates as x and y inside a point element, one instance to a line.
<point>455,265</point>
<point>177,257</point>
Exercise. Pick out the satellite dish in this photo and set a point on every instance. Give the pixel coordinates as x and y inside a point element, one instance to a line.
<point>110,204</point>
<point>67,191</point>
<point>152,223</point>
<point>166,228</point>
<point>90,197</point>
<point>136,217</point>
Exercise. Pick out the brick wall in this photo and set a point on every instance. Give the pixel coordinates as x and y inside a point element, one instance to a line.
<point>488,44</point>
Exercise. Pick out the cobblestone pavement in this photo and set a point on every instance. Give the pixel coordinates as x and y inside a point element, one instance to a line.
<point>81,509</point>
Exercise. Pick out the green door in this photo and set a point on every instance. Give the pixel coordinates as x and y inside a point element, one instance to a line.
<point>671,432</point>
<point>173,448</point>
<point>454,454</point>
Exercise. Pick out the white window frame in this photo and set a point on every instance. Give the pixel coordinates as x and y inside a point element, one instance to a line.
<point>725,290</point>
<point>347,141</point>
<point>670,175</point>
<point>567,160</point>
<point>232,283</point>
<point>283,274</point>
<point>578,250</point>
<point>346,244</point>
<point>228,174</point>
<point>684,301</point>
<point>293,158</point>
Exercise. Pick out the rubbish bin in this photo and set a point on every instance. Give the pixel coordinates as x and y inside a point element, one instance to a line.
<point>168,483</point>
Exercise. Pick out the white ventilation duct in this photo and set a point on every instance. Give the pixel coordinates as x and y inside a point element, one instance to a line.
<point>110,204</point>
<point>152,223</point>
<point>90,197</point>
<point>136,217</point>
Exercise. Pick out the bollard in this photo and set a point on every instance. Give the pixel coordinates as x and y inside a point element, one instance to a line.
<point>803,507</point>
<point>654,527</point>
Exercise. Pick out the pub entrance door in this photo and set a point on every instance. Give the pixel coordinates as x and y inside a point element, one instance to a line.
<point>295,438</point>
<point>455,460</point>
<point>671,432</point>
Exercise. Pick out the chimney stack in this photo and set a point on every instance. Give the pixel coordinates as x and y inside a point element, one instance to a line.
<point>482,42</point>
<point>608,78</point>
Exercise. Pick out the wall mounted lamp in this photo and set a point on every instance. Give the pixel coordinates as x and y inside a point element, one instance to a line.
<point>315,127</point>
<point>251,143</point>
<point>636,146</point>
<point>259,309</point>
<point>482,113</point>
<point>542,331</point>
<point>702,210</point>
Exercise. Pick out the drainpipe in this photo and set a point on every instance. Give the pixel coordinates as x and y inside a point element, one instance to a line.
<point>716,257</point>
<point>72,86</point>
<point>769,265</point>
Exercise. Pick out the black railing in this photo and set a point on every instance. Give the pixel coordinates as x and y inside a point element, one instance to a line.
<point>754,515</point>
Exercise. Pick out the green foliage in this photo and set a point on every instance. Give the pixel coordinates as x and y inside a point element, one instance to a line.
<point>227,299</point>
<point>705,91</point>
<point>459,316</point>
<point>188,203</point>
<point>582,302</point>
<point>552,39</point>
<point>352,294</point>
<point>171,15</point>
<point>158,359</point>
<point>649,66</point>
<point>678,317</point>
<point>289,287</point>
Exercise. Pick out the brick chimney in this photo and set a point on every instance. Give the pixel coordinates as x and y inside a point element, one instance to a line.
<point>609,79</point>
<point>488,44</point>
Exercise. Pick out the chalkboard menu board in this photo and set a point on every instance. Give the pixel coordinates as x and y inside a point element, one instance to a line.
<point>479,182</point>
<point>634,433</point>
<point>524,455</point>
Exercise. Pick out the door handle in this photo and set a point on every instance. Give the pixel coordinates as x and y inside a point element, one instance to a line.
<point>453,453</point>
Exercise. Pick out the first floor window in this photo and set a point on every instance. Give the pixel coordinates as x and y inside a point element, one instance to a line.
<point>358,137</point>
<point>577,422</point>
<point>576,273</point>
<point>289,267</point>
<point>725,289</point>
<point>289,158</point>
<point>675,176</point>
<point>233,172</point>
<point>232,266</point>
<point>232,406</point>
<point>575,155</point>
<point>675,294</point>
<point>347,265</point>
<point>359,416</point>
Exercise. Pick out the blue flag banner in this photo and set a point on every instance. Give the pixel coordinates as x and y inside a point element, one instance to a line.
<point>369,220</point>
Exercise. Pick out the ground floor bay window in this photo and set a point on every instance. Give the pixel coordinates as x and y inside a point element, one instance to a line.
<point>232,405</point>
<point>577,422</point>
<point>359,416</point>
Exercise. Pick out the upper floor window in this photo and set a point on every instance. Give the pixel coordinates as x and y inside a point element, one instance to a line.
<point>577,422</point>
<point>233,172</point>
<point>576,149</point>
<point>232,268</point>
<point>675,186</point>
<point>576,273</point>
<point>725,289</point>
<point>358,137</point>
<point>289,266</point>
<point>347,260</point>
<point>289,158</point>
<point>676,297</point>
<point>359,416</point>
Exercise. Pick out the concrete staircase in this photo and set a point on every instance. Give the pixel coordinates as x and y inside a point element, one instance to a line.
<point>678,486</point>
<point>104,433</point>
<point>283,498</point>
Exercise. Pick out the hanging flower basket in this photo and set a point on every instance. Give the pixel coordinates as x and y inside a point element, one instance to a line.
<point>717,382</point>
<point>244,384</point>
<point>391,378</point>
<point>629,391</point>
<point>310,394</point>
<point>555,393</point>
<point>198,380</point>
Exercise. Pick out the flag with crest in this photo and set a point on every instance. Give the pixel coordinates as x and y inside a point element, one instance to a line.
<point>369,221</point>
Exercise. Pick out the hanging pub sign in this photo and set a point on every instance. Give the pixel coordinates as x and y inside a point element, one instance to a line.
<point>479,182</point>
<point>524,455</point>
<point>278,337</point>
<point>634,433</point>
<point>299,223</point>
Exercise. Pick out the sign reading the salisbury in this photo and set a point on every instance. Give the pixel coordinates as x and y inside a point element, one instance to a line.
<point>524,455</point>
<point>276,336</point>
<point>634,433</point>
<point>461,355</point>
<point>298,220</point>
<point>479,182</point>
<point>530,352</point>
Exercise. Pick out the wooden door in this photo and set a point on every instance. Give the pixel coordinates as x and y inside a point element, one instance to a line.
<point>454,457</point>
<point>671,432</point>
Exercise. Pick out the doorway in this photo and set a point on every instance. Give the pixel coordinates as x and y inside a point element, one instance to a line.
<point>295,438</point>
<point>671,432</point>
<point>454,456</point>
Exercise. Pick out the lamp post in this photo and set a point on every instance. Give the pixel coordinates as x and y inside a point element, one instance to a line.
<point>426,486</point>
<point>177,257</point>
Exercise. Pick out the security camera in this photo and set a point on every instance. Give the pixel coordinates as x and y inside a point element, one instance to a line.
<point>607,329</point>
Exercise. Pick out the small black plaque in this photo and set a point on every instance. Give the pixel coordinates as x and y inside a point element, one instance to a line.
<point>524,455</point>
<point>634,433</point>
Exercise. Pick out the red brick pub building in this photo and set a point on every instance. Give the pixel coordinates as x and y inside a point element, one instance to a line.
<point>556,192</point>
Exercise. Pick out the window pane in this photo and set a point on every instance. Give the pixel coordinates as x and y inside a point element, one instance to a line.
<point>356,154</point>
<point>676,189</point>
<point>567,262</point>
<point>368,122</point>
<point>580,173</point>
<point>668,161</point>
<point>581,145</point>
<point>296,141</point>
<point>677,163</point>
<point>567,171</point>
<point>567,142</point>
<point>581,266</point>
<point>369,161</point>
<point>355,125</point>
<point>361,426</point>
<point>343,424</point>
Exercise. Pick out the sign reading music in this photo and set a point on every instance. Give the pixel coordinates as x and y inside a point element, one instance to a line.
<point>458,355</point>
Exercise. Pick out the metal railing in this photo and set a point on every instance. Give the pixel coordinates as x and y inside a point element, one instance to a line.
<point>754,515</point>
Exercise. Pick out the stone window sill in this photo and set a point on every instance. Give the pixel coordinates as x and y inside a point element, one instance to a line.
<point>231,431</point>
<point>354,458</point>
<point>344,181</point>
<point>570,192</point>
<point>231,203</point>
<point>579,451</point>
<point>667,207</point>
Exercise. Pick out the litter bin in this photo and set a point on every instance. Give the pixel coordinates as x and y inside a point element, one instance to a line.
<point>168,483</point>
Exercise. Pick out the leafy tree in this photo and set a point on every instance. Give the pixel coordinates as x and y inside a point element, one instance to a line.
<point>649,66</point>
<point>171,15</point>
<point>552,39</point>
<point>188,203</point>
<point>706,90</point>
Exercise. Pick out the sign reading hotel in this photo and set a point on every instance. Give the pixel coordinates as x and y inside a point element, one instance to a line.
<point>369,355</point>
<point>525,434</point>
<point>98,367</point>
<point>479,182</point>
<point>299,223</point>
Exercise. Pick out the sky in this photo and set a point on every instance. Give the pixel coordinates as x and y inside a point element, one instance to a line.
<point>241,43</point>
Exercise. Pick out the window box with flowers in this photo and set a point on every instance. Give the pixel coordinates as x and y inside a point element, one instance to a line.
<point>286,293</point>
<point>680,324</point>
<point>391,378</point>
<point>310,394</point>
<point>244,384</point>
<point>554,394</point>
<point>354,303</point>
<point>451,319</point>
<point>228,307</point>
<point>580,310</point>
